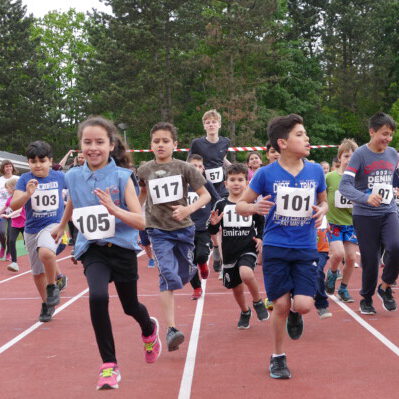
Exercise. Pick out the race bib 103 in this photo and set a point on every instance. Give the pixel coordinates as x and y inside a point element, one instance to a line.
<point>45,200</point>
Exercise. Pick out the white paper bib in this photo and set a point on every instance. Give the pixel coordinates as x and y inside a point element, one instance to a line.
<point>45,200</point>
<point>166,189</point>
<point>214,175</point>
<point>294,202</point>
<point>233,219</point>
<point>385,190</point>
<point>341,202</point>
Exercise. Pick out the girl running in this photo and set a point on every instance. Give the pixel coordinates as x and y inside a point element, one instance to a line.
<point>104,207</point>
<point>254,162</point>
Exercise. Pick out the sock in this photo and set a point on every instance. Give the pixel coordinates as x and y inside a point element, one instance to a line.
<point>343,286</point>
<point>334,272</point>
<point>248,311</point>
<point>278,354</point>
<point>255,303</point>
<point>216,254</point>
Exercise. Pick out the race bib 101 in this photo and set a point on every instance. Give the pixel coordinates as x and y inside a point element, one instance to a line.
<point>94,222</point>
<point>214,175</point>
<point>294,202</point>
<point>166,189</point>
<point>45,200</point>
<point>233,219</point>
<point>341,202</point>
<point>385,190</point>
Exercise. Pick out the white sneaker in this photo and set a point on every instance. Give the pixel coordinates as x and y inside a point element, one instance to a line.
<point>324,313</point>
<point>13,267</point>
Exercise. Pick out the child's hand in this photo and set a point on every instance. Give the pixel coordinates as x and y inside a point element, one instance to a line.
<point>319,214</point>
<point>106,200</point>
<point>57,232</point>
<point>374,200</point>
<point>263,206</point>
<point>31,186</point>
<point>215,217</point>
<point>258,244</point>
<point>180,212</point>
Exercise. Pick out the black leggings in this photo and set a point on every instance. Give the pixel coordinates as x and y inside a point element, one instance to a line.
<point>12,239</point>
<point>373,232</point>
<point>98,276</point>
<point>202,240</point>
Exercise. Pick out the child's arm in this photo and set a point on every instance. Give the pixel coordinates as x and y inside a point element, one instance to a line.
<point>321,208</point>
<point>259,224</point>
<point>132,217</point>
<point>246,206</point>
<point>20,198</point>
<point>15,213</point>
<point>58,231</point>
<point>142,195</point>
<point>180,212</point>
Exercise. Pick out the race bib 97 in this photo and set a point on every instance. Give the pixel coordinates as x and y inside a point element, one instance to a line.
<point>341,202</point>
<point>94,222</point>
<point>233,219</point>
<point>294,202</point>
<point>45,200</point>
<point>385,190</point>
<point>214,175</point>
<point>166,189</point>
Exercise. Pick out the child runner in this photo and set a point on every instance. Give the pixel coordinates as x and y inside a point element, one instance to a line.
<point>367,182</point>
<point>213,149</point>
<point>241,240</point>
<point>104,207</point>
<point>272,154</point>
<point>326,166</point>
<point>254,162</point>
<point>290,188</point>
<point>202,238</point>
<point>17,218</point>
<point>164,187</point>
<point>341,236</point>
<point>40,191</point>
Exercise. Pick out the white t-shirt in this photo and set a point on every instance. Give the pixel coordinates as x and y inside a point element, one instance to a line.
<point>3,191</point>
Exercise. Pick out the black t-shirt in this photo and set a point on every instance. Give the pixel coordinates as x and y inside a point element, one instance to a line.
<point>238,231</point>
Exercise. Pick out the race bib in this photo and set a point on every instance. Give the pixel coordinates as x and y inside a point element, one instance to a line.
<point>233,219</point>
<point>341,202</point>
<point>294,202</point>
<point>166,189</point>
<point>214,175</point>
<point>94,222</point>
<point>385,190</point>
<point>192,197</point>
<point>45,200</point>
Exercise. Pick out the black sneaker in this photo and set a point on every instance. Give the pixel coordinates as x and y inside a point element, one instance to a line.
<point>294,325</point>
<point>386,297</point>
<point>278,368</point>
<point>261,310</point>
<point>174,338</point>
<point>243,323</point>
<point>53,295</point>
<point>366,307</point>
<point>46,313</point>
<point>62,282</point>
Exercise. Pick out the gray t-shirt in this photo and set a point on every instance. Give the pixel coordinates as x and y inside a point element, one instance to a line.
<point>368,169</point>
<point>167,185</point>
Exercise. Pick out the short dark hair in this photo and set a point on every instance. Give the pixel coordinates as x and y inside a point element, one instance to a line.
<point>195,157</point>
<point>280,127</point>
<point>380,119</point>
<point>165,126</point>
<point>236,169</point>
<point>39,149</point>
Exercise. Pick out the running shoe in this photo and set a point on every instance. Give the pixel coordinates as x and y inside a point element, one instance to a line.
<point>366,307</point>
<point>152,344</point>
<point>268,304</point>
<point>46,313</point>
<point>151,263</point>
<point>330,282</point>
<point>13,267</point>
<point>294,325</point>
<point>197,293</point>
<point>109,376</point>
<point>217,265</point>
<point>243,322</point>
<point>53,294</point>
<point>174,338</point>
<point>8,258</point>
<point>339,275</point>
<point>2,253</point>
<point>261,310</point>
<point>278,368</point>
<point>344,295</point>
<point>324,313</point>
<point>204,270</point>
<point>388,302</point>
<point>62,282</point>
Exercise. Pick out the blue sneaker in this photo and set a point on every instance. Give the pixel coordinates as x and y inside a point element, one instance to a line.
<point>151,263</point>
<point>330,282</point>
<point>344,295</point>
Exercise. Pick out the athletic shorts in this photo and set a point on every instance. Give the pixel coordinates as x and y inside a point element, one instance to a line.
<point>289,270</point>
<point>174,253</point>
<point>342,233</point>
<point>231,272</point>
<point>34,241</point>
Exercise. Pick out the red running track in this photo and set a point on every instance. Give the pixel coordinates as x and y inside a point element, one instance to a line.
<point>335,358</point>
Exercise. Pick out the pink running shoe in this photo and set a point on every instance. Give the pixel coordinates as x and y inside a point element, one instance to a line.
<point>8,257</point>
<point>152,344</point>
<point>204,270</point>
<point>109,376</point>
<point>2,253</point>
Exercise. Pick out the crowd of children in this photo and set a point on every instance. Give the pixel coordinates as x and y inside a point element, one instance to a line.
<point>298,216</point>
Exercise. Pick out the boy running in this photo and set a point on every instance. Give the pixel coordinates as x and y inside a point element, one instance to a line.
<point>367,182</point>
<point>291,187</point>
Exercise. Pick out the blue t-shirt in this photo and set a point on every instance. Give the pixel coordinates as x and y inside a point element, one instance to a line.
<point>46,205</point>
<point>290,231</point>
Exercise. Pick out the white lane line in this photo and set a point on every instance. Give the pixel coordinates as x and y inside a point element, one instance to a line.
<point>35,326</point>
<point>390,345</point>
<point>188,373</point>
<point>29,271</point>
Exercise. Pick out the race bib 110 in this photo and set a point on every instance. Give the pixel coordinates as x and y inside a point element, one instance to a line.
<point>233,219</point>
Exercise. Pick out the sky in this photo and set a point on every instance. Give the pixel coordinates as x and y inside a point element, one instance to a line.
<point>41,7</point>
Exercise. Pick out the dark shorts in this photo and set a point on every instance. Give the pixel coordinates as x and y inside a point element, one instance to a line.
<point>289,270</point>
<point>231,272</point>
<point>121,261</point>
